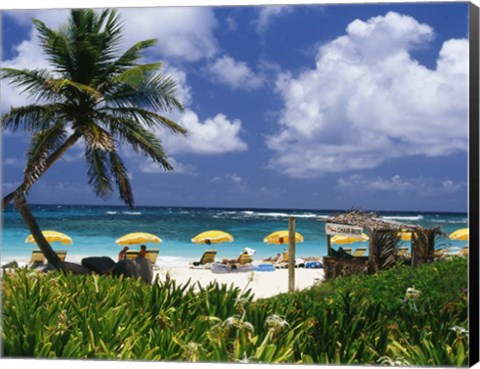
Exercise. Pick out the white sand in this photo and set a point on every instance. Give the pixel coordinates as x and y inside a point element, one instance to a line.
<point>262,284</point>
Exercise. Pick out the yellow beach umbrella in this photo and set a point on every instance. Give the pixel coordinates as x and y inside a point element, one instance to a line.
<point>213,236</point>
<point>281,237</point>
<point>460,235</point>
<point>342,240</point>
<point>136,238</point>
<point>52,236</point>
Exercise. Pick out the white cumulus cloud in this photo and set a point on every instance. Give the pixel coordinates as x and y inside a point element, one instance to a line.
<point>236,74</point>
<point>419,185</point>
<point>148,166</point>
<point>266,14</point>
<point>28,55</point>
<point>368,100</point>
<point>184,33</point>
<point>214,136</point>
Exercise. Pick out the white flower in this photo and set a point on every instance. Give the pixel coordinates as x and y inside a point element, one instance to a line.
<point>460,330</point>
<point>412,293</point>
<point>398,361</point>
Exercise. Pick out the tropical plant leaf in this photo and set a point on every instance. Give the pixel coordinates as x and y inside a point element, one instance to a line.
<point>97,138</point>
<point>120,174</point>
<point>42,144</point>
<point>146,117</point>
<point>32,117</point>
<point>98,171</point>
<point>32,83</point>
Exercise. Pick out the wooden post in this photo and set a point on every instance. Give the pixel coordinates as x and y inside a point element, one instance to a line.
<point>414,246</point>
<point>291,254</point>
<point>329,245</point>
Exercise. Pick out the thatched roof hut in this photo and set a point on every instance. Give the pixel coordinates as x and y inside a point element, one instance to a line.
<point>371,221</point>
<point>384,236</point>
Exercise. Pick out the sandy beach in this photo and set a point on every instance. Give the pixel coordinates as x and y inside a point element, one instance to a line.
<point>262,284</point>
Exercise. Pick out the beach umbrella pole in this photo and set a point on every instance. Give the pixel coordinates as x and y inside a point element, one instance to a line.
<point>291,254</point>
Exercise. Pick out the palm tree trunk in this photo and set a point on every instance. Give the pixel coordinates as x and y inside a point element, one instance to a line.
<point>24,187</point>
<point>35,230</point>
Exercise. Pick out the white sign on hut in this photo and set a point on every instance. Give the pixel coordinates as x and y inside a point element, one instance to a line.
<point>343,230</point>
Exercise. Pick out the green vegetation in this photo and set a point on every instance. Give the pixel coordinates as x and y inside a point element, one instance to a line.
<point>355,320</point>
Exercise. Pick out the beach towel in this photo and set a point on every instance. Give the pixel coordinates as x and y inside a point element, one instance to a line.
<point>224,268</point>
<point>266,267</point>
<point>313,264</point>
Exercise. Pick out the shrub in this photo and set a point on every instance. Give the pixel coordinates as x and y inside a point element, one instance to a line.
<point>356,320</point>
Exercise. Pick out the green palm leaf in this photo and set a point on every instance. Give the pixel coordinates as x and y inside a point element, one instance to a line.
<point>98,171</point>
<point>156,92</point>
<point>42,144</point>
<point>120,175</point>
<point>146,117</point>
<point>33,83</point>
<point>32,117</point>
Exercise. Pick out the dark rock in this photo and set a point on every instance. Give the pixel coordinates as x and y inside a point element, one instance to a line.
<point>145,269</point>
<point>134,268</point>
<point>74,268</point>
<point>100,265</point>
<point>43,267</point>
<point>12,264</point>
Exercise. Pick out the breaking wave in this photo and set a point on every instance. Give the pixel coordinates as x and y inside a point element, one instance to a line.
<point>401,217</point>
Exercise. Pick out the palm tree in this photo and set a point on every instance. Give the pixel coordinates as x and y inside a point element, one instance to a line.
<point>93,95</point>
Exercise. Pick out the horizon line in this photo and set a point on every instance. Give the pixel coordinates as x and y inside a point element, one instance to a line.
<point>252,207</point>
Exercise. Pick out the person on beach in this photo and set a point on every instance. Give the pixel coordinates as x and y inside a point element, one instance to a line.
<point>143,251</point>
<point>121,254</point>
<point>275,258</point>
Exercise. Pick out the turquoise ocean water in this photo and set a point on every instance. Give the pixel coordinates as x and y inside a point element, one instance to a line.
<point>94,229</point>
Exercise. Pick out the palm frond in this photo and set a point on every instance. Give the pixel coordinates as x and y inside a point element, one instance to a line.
<point>60,84</point>
<point>120,174</point>
<point>33,117</point>
<point>142,140</point>
<point>385,245</point>
<point>32,83</point>
<point>135,75</point>
<point>97,138</point>
<point>127,59</point>
<point>98,171</point>
<point>42,144</point>
<point>57,48</point>
<point>157,93</point>
<point>97,39</point>
<point>145,117</point>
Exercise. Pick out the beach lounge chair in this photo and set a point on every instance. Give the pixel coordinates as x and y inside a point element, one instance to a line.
<point>62,254</point>
<point>36,259</point>
<point>272,259</point>
<point>131,254</point>
<point>464,251</point>
<point>348,250</point>
<point>439,254</point>
<point>206,260</point>
<point>152,255</point>
<point>283,261</point>
<point>359,251</point>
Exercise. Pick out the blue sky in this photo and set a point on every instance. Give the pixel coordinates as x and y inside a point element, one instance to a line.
<point>318,107</point>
